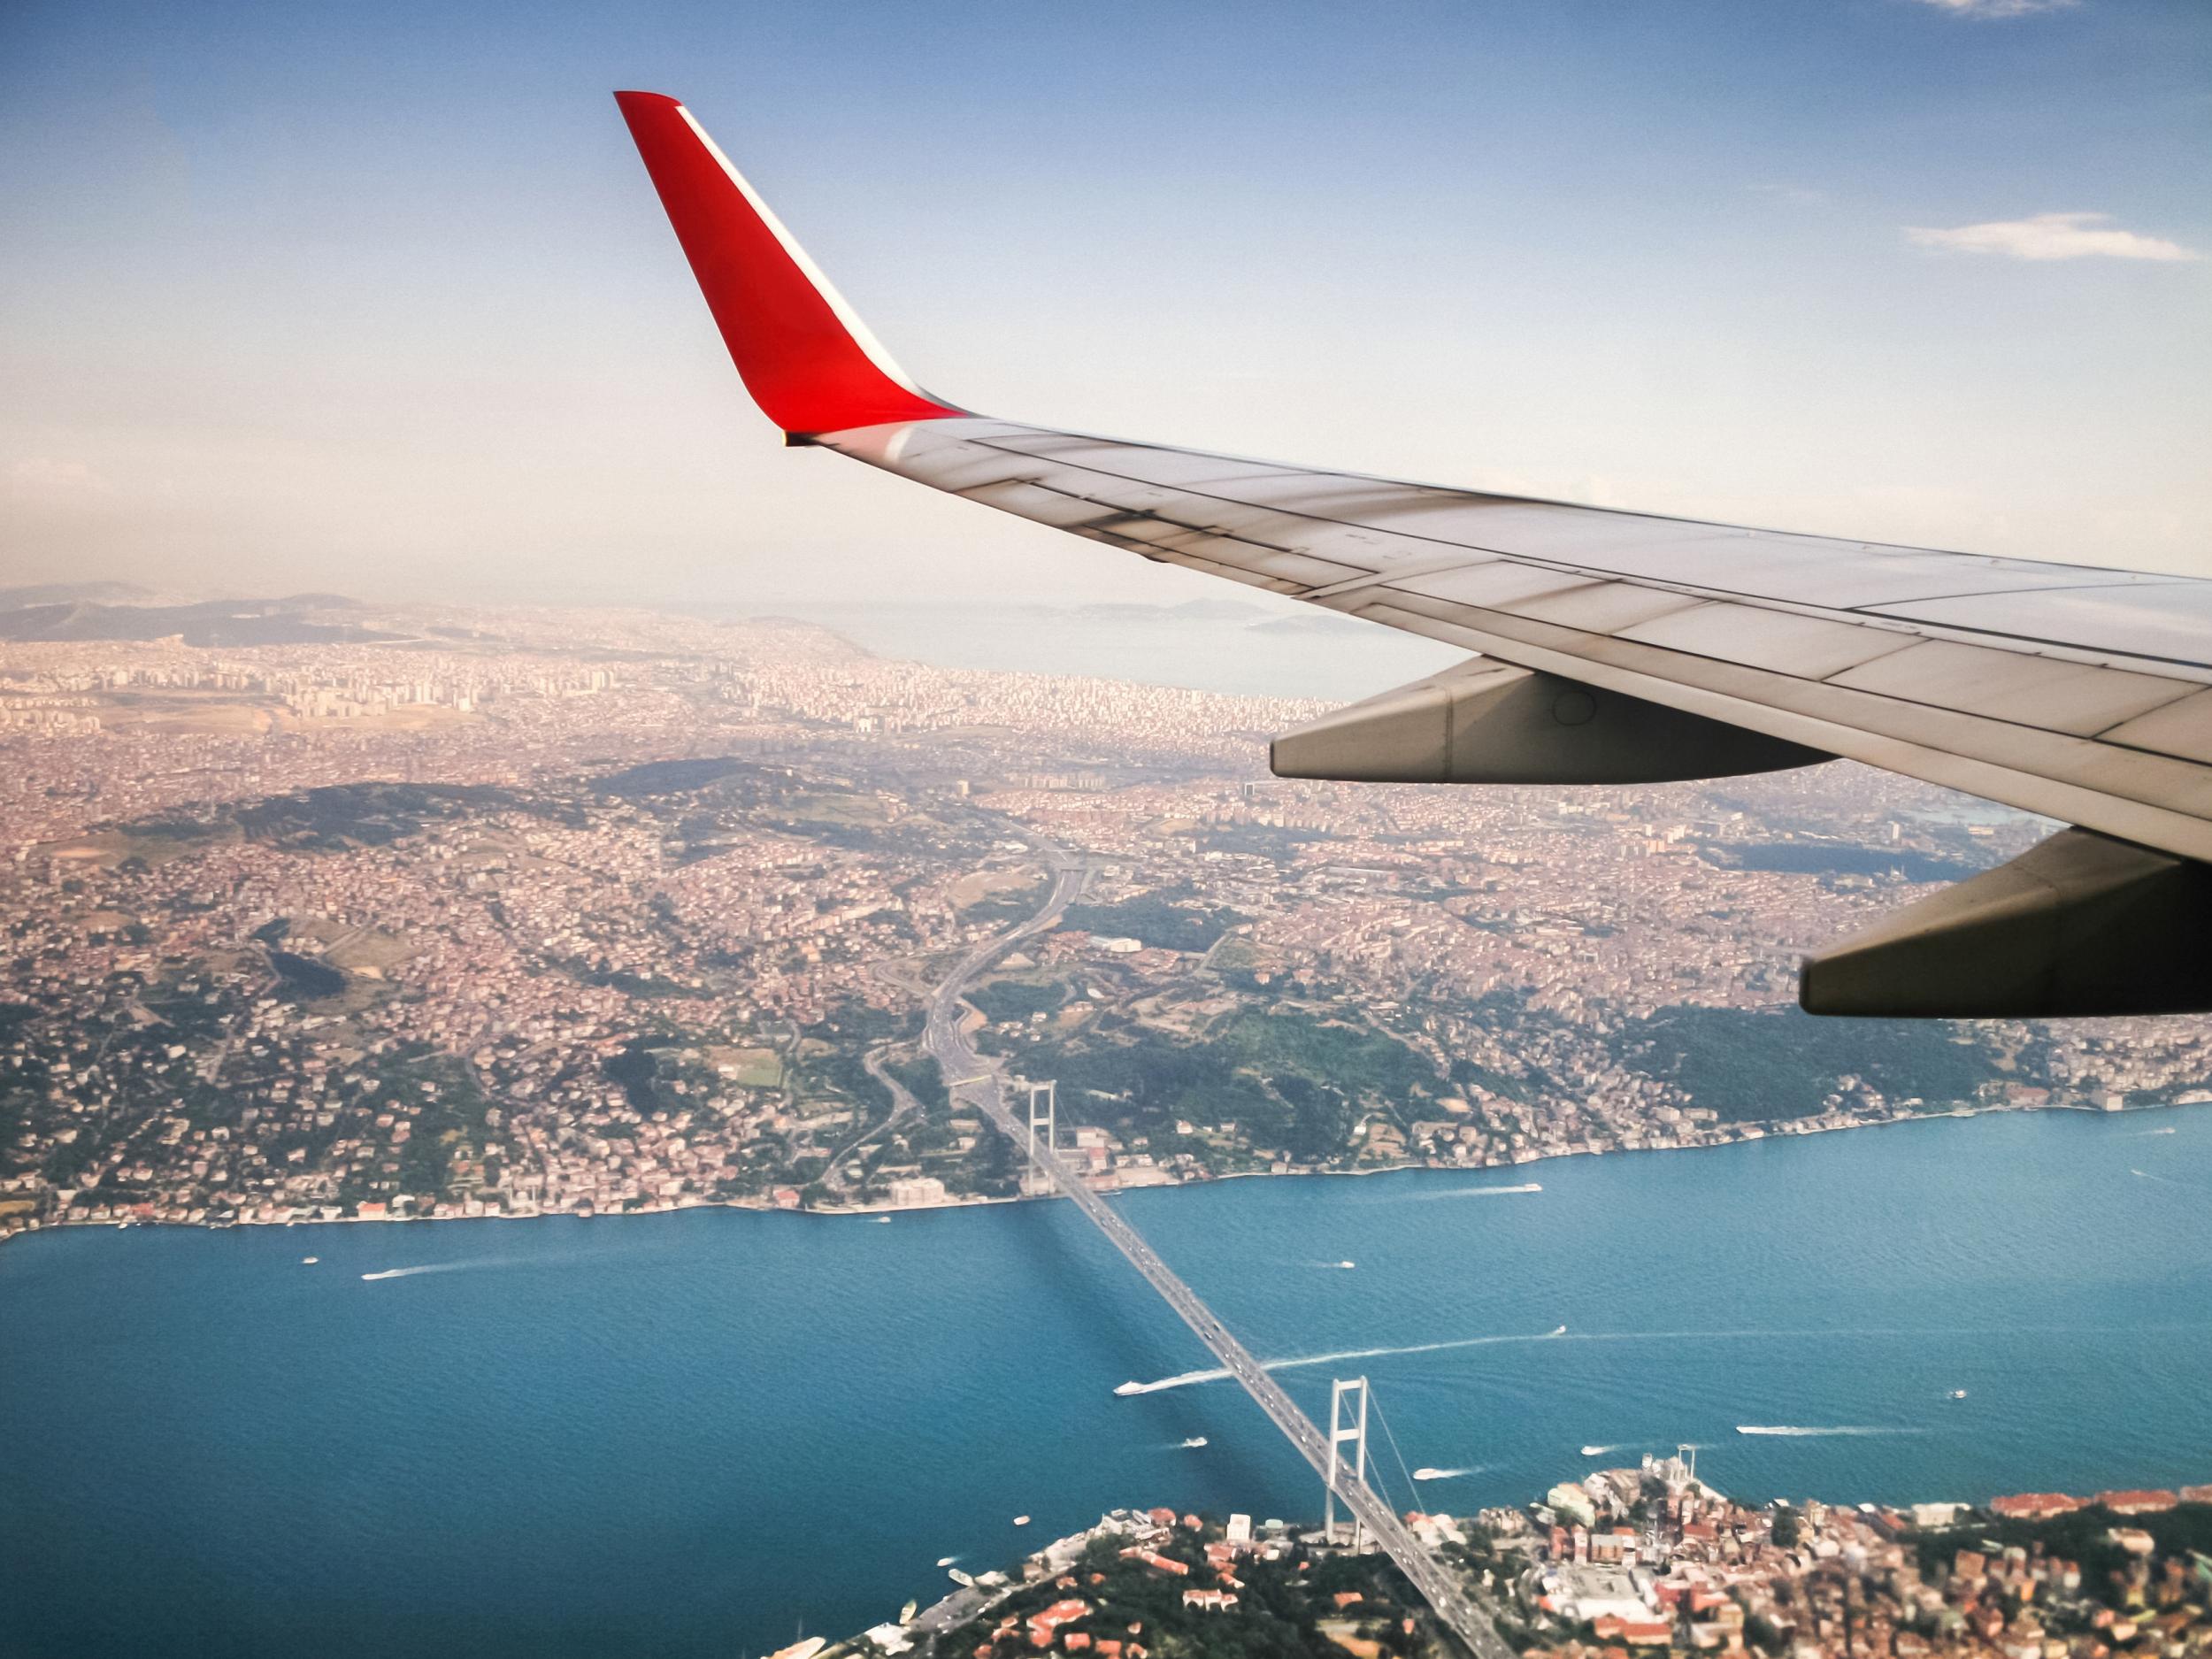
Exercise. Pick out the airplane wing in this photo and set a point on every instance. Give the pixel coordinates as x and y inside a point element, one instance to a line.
<point>1613,647</point>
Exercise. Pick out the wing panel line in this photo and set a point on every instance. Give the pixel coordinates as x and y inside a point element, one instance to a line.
<point>1765,601</point>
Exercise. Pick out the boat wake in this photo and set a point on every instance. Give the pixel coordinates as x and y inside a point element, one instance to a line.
<point>430,1267</point>
<point>1448,1474</point>
<point>2140,1133</point>
<point>2168,1180</point>
<point>1182,1379</point>
<point>1185,1379</point>
<point>1791,1431</point>
<point>1480,1191</point>
<point>1342,1266</point>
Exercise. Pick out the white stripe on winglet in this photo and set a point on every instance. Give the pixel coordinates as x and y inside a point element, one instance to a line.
<point>844,313</point>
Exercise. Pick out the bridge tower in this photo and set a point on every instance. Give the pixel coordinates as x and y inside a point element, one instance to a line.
<point>1343,1426</point>
<point>1048,1119</point>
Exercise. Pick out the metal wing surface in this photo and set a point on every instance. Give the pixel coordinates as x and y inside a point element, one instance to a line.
<point>1617,647</point>
<point>2078,693</point>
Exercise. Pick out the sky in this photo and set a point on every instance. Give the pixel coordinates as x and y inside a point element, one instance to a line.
<point>378,298</point>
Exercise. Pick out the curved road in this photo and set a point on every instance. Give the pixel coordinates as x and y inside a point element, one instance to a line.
<point>903,1105</point>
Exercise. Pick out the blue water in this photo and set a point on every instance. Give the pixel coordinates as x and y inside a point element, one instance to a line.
<point>687,1435</point>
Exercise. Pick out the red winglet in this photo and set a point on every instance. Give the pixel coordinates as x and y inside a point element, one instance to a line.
<point>809,364</point>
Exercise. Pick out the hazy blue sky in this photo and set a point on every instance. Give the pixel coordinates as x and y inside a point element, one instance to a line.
<point>378,298</point>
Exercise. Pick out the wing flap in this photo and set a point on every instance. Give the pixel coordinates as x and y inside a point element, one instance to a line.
<point>2182,730</point>
<point>2153,617</point>
<point>2035,691</point>
<point>1606,607</point>
<point>1782,641</point>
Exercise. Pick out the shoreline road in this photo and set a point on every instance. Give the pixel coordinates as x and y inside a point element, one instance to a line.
<point>970,1076</point>
<point>969,1601</point>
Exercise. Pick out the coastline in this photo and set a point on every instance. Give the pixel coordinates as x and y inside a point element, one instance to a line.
<point>972,1201</point>
<point>1671,1586</point>
<point>734,1392</point>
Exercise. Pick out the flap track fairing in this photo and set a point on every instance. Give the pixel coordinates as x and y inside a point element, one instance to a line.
<point>1487,722</point>
<point>2078,924</point>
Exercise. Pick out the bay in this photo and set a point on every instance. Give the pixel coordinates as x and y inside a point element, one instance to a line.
<point>697,1433</point>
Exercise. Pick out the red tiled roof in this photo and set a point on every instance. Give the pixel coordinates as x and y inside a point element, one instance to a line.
<point>2136,1502</point>
<point>2035,1505</point>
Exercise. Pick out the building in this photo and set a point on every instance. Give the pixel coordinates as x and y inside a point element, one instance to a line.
<point>2036,1506</point>
<point>2138,1502</point>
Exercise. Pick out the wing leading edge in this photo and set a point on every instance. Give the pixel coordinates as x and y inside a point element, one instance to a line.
<point>1614,646</point>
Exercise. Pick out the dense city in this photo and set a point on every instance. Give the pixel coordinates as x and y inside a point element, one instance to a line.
<point>316,912</point>
<point>1644,1559</point>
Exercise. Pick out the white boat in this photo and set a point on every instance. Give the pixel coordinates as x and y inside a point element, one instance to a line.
<point>1562,1331</point>
<point>1021,1520</point>
<point>906,1613</point>
<point>1130,1388</point>
<point>967,1581</point>
<point>1958,1393</point>
<point>1595,1451</point>
<point>1193,1443</point>
<point>947,1561</point>
<point>310,1260</point>
<point>805,1649</point>
<point>883,1221</point>
<point>1425,1473</point>
<point>1347,1264</point>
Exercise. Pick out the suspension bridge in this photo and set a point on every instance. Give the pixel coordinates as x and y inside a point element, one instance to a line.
<point>976,1083</point>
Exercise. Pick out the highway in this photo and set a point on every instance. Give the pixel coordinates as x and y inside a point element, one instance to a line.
<point>977,1082</point>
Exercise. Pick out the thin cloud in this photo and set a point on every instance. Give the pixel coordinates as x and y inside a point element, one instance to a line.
<point>1999,8</point>
<point>2049,237</point>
